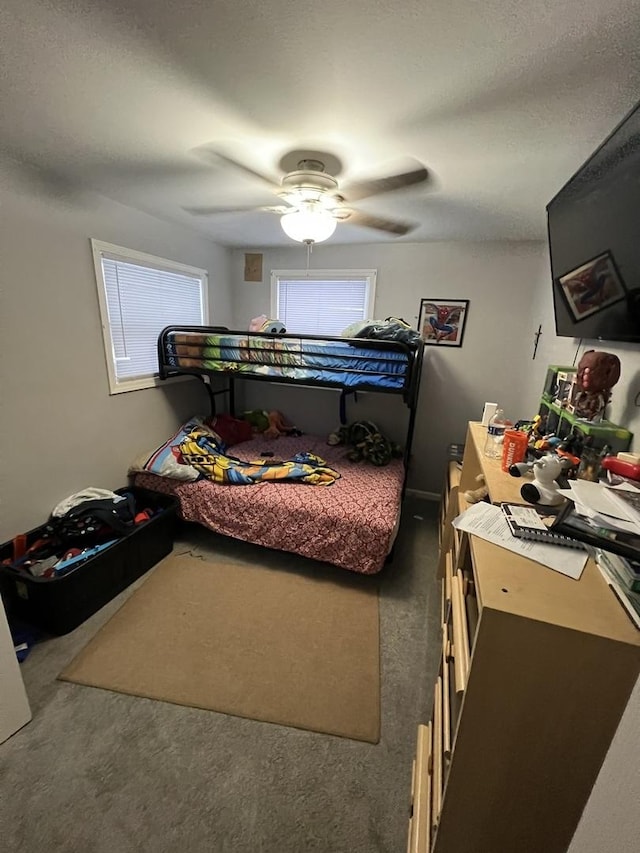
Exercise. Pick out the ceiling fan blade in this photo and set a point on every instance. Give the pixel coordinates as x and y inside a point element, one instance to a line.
<point>210,211</point>
<point>217,157</point>
<point>369,221</point>
<point>377,186</point>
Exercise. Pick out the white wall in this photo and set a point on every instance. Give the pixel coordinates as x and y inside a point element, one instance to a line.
<point>59,429</point>
<point>499,279</point>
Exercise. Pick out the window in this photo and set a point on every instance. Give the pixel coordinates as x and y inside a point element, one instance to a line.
<point>139,295</point>
<point>322,302</point>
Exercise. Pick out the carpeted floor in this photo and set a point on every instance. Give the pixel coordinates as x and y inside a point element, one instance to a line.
<point>101,772</point>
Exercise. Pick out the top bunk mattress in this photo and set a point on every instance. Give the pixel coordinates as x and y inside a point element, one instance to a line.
<point>351,523</point>
<point>347,362</point>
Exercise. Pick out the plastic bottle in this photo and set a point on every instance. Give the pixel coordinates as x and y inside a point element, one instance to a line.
<point>495,435</point>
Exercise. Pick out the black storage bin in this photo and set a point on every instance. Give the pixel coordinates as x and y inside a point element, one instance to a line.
<point>58,605</point>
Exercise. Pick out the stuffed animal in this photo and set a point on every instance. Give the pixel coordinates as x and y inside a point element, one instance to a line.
<point>365,443</point>
<point>267,325</point>
<point>474,496</point>
<point>271,424</point>
<point>597,373</point>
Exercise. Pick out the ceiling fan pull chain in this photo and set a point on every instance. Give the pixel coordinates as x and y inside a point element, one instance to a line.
<point>309,250</point>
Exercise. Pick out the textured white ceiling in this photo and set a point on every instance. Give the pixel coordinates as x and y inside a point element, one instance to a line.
<point>501,99</point>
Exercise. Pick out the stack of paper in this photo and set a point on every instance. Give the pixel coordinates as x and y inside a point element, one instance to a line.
<point>489,522</point>
<point>615,507</point>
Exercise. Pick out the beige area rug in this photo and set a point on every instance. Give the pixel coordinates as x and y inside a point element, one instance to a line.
<point>245,640</point>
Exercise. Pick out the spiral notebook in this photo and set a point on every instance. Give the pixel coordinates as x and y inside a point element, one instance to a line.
<point>527,522</point>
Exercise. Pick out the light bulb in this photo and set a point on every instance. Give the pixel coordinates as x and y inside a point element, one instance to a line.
<point>309,224</point>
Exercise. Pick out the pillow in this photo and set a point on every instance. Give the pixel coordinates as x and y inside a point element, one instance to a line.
<point>168,467</point>
<point>165,460</point>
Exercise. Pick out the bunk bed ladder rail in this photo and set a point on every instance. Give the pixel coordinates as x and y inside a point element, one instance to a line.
<point>230,390</point>
<point>165,372</point>
<point>411,399</point>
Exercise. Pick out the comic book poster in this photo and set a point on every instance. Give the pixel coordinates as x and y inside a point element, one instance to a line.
<point>442,321</point>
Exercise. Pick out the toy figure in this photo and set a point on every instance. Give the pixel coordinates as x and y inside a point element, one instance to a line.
<point>547,442</point>
<point>571,447</point>
<point>598,372</point>
<point>537,429</point>
<point>544,489</point>
<point>539,438</point>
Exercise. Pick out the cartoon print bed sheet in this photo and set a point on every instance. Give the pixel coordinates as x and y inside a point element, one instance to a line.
<point>301,359</point>
<point>352,524</point>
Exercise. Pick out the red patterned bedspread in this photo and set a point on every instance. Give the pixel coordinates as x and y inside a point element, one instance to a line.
<point>351,523</point>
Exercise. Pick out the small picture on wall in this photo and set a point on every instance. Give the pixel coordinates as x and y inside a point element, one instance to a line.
<point>442,321</point>
<point>592,287</point>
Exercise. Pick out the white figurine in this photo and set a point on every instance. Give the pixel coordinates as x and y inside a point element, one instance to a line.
<point>544,489</point>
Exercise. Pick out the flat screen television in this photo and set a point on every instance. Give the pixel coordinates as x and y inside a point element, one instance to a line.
<point>594,242</point>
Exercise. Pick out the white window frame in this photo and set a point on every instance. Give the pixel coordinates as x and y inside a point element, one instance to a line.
<point>120,253</point>
<point>326,275</point>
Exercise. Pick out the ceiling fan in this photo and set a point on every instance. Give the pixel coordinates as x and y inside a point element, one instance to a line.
<point>313,202</point>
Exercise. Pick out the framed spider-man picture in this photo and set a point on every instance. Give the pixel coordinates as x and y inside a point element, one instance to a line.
<point>441,321</point>
<point>592,287</point>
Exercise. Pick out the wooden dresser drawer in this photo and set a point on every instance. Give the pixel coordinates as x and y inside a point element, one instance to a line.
<point>460,632</point>
<point>448,511</point>
<point>445,605</point>
<point>446,697</point>
<point>448,575</point>
<point>437,783</point>
<point>420,814</point>
<point>441,727</point>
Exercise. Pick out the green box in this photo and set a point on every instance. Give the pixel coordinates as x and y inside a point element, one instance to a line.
<point>600,433</point>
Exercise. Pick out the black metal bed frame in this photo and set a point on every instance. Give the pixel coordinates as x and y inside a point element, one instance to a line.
<point>410,388</point>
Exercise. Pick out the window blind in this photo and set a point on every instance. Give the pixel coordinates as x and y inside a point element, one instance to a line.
<point>317,307</point>
<point>141,301</point>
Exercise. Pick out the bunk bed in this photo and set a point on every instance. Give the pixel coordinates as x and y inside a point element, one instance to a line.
<point>351,523</point>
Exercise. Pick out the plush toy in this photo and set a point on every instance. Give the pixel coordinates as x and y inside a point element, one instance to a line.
<point>597,373</point>
<point>474,496</point>
<point>365,443</point>
<point>271,424</point>
<point>267,325</point>
<point>544,489</point>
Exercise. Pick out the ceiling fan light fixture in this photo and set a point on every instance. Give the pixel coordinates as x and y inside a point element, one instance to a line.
<point>308,195</point>
<point>309,224</point>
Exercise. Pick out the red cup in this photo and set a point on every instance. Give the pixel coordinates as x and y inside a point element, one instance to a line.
<point>514,448</point>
